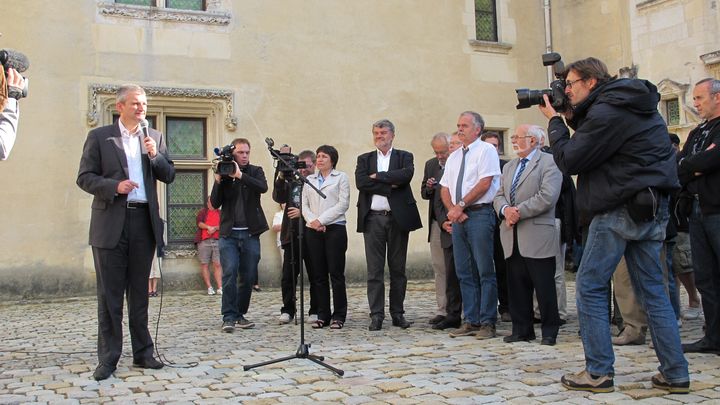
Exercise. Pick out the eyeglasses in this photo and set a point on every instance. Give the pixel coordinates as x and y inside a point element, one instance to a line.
<point>516,137</point>
<point>569,83</point>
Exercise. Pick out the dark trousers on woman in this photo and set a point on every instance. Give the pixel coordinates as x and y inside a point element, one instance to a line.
<point>525,274</point>
<point>326,251</point>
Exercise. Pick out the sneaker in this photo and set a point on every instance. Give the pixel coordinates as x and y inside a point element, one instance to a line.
<point>243,323</point>
<point>659,382</point>
<point>312,318</point>
<point>692,313</point>
<point>228,326</point>
<point>219,291</point>
<point>486,331</point>
<point>583,381</point>
<point>211,291</point>
<point>467,329</point>
<point>630,336</point>
<point>284,318</point>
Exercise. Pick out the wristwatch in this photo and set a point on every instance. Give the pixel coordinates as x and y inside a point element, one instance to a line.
<point>461,204</point>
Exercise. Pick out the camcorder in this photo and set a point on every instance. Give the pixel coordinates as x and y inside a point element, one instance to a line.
<point>556,92</point>
<point>10,59</point>
<point>224,164</point>
<point>287,163</point>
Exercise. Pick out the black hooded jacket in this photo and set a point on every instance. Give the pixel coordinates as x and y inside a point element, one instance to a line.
<point>620,146</point>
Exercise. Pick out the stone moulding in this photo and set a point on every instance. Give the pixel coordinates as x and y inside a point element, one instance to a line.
<point>711,58</point>
<point>164,14</point>
<point>224,96</point>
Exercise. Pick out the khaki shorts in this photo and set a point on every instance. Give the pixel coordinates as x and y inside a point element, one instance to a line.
<point>208,250</point>
<point>682,254</point>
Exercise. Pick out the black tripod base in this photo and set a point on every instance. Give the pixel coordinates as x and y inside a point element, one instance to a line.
<point>303,352</point>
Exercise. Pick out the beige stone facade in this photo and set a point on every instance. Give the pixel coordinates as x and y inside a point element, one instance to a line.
<point>304,73</point>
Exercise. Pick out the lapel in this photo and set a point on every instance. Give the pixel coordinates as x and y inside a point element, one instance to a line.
<point>115,140</point>
<point>372,163</point>
<point>329,180</point>
<point>394,160</point>
<point>530,166</point>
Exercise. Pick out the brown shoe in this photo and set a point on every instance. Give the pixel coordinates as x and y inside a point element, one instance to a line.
<point>630,336</point>
<point>583,381</point>
<point>466,329</point>
<point>487,331</point>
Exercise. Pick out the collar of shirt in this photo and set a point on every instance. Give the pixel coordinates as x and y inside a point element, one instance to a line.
<point>126,133</point>
<point>382,155</point>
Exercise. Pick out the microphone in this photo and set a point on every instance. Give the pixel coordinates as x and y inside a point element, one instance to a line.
<point>144,127</point>
<point>14,60</point>
<point>270,143</point>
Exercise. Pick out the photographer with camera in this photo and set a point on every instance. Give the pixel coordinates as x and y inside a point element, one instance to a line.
<point>626,167</point>
<point>11,84</point>
<point>242,221</point>
<point>287,191</point>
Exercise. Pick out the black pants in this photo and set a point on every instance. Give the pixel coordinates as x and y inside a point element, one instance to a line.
<point>120,270</point>
<point>327,254</point>
<point>452,288</point>
<point>500,272</point>
<point>290,273</point>
<point>383,236</point>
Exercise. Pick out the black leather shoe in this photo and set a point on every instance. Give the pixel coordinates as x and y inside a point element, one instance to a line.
<point>436,319</point>
<point>401,322</point>
<point>701,346</point>
<point>516,338</point>
<point>447,323</point>
<point>149,362</point>
<point>548,341</point>
<point>103,372</point>
<point>375,323</point>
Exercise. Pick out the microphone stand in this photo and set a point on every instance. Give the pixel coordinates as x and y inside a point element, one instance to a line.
<point>303,350</point>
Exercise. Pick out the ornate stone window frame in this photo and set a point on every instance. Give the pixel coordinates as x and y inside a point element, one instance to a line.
<point>670,90</point>
<point>213,15</point>
<point>477,45</point>
<point>712,63</point>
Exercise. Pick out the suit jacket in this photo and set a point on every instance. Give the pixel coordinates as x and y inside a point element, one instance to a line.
<point>329,210</point>
<point>102,166</point>
<point>535,197</point>
<point>432,169</point>
<point>249,188</point>
<point>399,174</point>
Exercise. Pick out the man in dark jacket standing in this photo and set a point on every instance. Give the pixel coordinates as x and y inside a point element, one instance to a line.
<point>700,175</point>
<point>241,222</point>
<point>626,167</point>
<point>387,212</point>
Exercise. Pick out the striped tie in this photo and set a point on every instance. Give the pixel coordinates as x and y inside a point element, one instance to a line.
<point>516,181</point>
<point>458,186</point>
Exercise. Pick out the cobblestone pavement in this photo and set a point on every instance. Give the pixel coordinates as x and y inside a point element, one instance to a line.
<point>390,366</point>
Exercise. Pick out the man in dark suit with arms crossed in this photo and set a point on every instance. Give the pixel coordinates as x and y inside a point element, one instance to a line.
<point>119,166</point>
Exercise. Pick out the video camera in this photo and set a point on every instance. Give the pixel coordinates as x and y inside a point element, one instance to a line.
<point>556,92</point>
<point>224,164</point>
<point>10,59</point>
<point>287,163</point>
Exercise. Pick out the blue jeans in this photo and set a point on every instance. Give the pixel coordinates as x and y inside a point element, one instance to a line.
<point>473,252</point>
<point>239,256</point>
<point>611,235</point>
<point>673,290</point>
<point>705,244</point>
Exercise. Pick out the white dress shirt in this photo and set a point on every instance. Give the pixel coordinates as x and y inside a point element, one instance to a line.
<point>380,202</point>
<point>481,160</point>
<point>133,152</point>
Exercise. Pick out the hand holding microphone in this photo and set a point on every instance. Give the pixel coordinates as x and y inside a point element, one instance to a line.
<point>150,144</point>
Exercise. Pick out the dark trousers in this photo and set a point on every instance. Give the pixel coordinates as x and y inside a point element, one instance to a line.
<point>327,254</point>
<point>524,275</point>
<point>383,236</point>
<point>290,273</point>
<point>500,272</point>
<point>122,270</point>
<point>705,244</point>
<point>452,288</point>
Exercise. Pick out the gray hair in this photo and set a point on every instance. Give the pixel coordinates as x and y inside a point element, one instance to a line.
<point>714,84</point>
<point>538,133</point>
<point>384,123</point>
<point>441,136</point>
<point>125,89</point>
<point>477,119</point>
<point>307,154</point>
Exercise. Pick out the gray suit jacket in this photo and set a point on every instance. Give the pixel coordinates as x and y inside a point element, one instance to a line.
<point>103,165</point>
<point>535,197</point>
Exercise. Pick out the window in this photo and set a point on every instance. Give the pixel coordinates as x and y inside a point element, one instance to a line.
<point>501,139</point>
<point>672,111</point>
<point>485,21</point>
<point>185,197</point>
<point>198,5</point>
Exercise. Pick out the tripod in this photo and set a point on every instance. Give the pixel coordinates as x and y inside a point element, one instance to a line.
<point>303,350</point>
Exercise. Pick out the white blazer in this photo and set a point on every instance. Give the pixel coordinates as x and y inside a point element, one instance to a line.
<point>328,210</point>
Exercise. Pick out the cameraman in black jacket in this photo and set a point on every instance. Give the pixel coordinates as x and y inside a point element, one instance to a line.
<point>626,167</point>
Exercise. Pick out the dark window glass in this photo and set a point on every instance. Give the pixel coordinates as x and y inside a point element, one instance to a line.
<point>672,110</point>
<point>186,137</point>
<point>185,197</point>
<point>186,4</point>
<point>485,20</point>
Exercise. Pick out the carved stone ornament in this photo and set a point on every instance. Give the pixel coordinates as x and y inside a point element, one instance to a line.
<point>164,14</point>
<point>224,96</point>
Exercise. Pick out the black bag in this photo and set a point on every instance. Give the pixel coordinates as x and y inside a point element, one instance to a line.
<point>643,206</point>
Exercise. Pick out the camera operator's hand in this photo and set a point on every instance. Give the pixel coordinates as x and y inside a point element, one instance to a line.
<point>547,109</point>
<point>150,146</point>
<point>126,186</point>
<point>293,213</point>
<point>237,174</point>
<point>15,81</point>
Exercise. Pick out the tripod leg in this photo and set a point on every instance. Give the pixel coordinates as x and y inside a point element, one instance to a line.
<point>265,363</point>
<point>317,359</point>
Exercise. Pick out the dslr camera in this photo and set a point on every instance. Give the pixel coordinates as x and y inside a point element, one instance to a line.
<point>287,163</point>
<point>556,92</point>
<point>224,164</point>
<point>10,59</point>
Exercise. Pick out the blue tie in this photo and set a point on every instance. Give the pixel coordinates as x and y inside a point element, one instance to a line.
<point>458,186</point>
<point>516,181</point>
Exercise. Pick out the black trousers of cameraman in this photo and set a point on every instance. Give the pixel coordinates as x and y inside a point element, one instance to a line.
<point>290,273</point>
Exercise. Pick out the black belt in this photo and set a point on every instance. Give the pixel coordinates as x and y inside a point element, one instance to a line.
<point>135,205</point>
<point>383,212</point>
<point>476,207</point>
